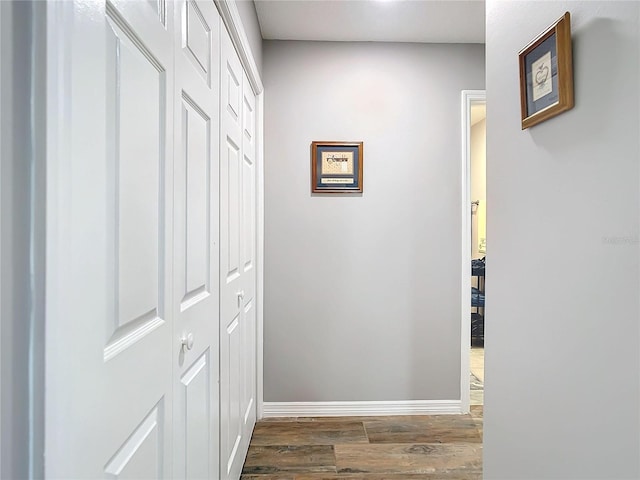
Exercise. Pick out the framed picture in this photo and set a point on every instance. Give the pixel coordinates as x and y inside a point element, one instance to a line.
<point>336,167</point>
<point>546,74</point>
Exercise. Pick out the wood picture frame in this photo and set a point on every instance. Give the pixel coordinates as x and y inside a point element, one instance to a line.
<point>336,167</point>
<point>546,74</point>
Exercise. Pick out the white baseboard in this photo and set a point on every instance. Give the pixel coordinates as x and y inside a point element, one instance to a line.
<point>343,409</point>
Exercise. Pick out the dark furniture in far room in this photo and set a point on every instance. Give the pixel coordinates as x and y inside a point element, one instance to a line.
<point>477,300</point>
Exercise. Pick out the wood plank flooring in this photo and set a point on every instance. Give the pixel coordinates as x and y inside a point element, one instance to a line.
<point>438,447</point>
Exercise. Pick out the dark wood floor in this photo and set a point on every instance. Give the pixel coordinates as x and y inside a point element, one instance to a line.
<point>439,447</point>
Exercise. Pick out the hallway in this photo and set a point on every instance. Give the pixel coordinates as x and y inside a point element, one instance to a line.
<point>439,447</point>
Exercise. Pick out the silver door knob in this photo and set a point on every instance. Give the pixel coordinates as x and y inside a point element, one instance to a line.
<point>187,341</point>
<point>241,294</point>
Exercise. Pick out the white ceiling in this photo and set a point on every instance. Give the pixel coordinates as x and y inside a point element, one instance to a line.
<point>426,21</point>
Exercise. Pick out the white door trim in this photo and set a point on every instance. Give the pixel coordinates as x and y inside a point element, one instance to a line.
<point>232,21</point>
<point>231,18</point>
<point>38,237</point>
<point>259,254</point>
<point>469,97</point>
<point>2,159</point>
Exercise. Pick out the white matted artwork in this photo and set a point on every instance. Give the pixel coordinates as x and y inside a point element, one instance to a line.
<point>337,163</point>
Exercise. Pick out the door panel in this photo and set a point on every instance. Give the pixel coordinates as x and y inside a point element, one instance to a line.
<point>196,397</point>
<point>196,215</point>
<point>109,244</point>
<point>248,185</point>
<point>232,93</point>
<point>237,253</point>
<point>249,374</point>
<point>197,39</point>
<point>138,152</point>
<point>248,214</point>
<point>231,213</point>
<point>142,453</point>
<point>135,126</point>
<point>231,393</point>
<point>230,186</point>
<point>196,247</point>
<point>248,257</point>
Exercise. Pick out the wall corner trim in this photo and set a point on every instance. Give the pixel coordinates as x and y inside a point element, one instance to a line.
<point>231,18</point>
<point>364,408</point>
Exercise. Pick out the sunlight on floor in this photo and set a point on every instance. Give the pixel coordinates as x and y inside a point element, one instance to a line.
<point>477,362</point>
<point>477,371</point>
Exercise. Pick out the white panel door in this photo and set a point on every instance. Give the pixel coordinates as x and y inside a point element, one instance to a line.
<point>237,263</point>
<point>196,232</point>
<point>109,214</point>
<point>248,256</point>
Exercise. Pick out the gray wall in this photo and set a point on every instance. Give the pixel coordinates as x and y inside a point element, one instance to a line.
<point>362,293</point>
<point>249,17</point>
<point>562,347</point>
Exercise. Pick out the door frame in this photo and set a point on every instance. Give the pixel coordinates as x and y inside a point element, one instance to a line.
<point>468,98</point>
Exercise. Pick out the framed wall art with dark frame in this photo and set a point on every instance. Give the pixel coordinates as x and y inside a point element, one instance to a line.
<point>546,74</point>
<point>336,167</point>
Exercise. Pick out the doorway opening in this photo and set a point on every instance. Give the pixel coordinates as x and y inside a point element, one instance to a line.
<point>474,245</point>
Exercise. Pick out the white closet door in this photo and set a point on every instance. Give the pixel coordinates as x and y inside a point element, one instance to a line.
<point>237,263</point>
<point>109,241</point>
<point>196,259</point>
<point>248,256</point>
